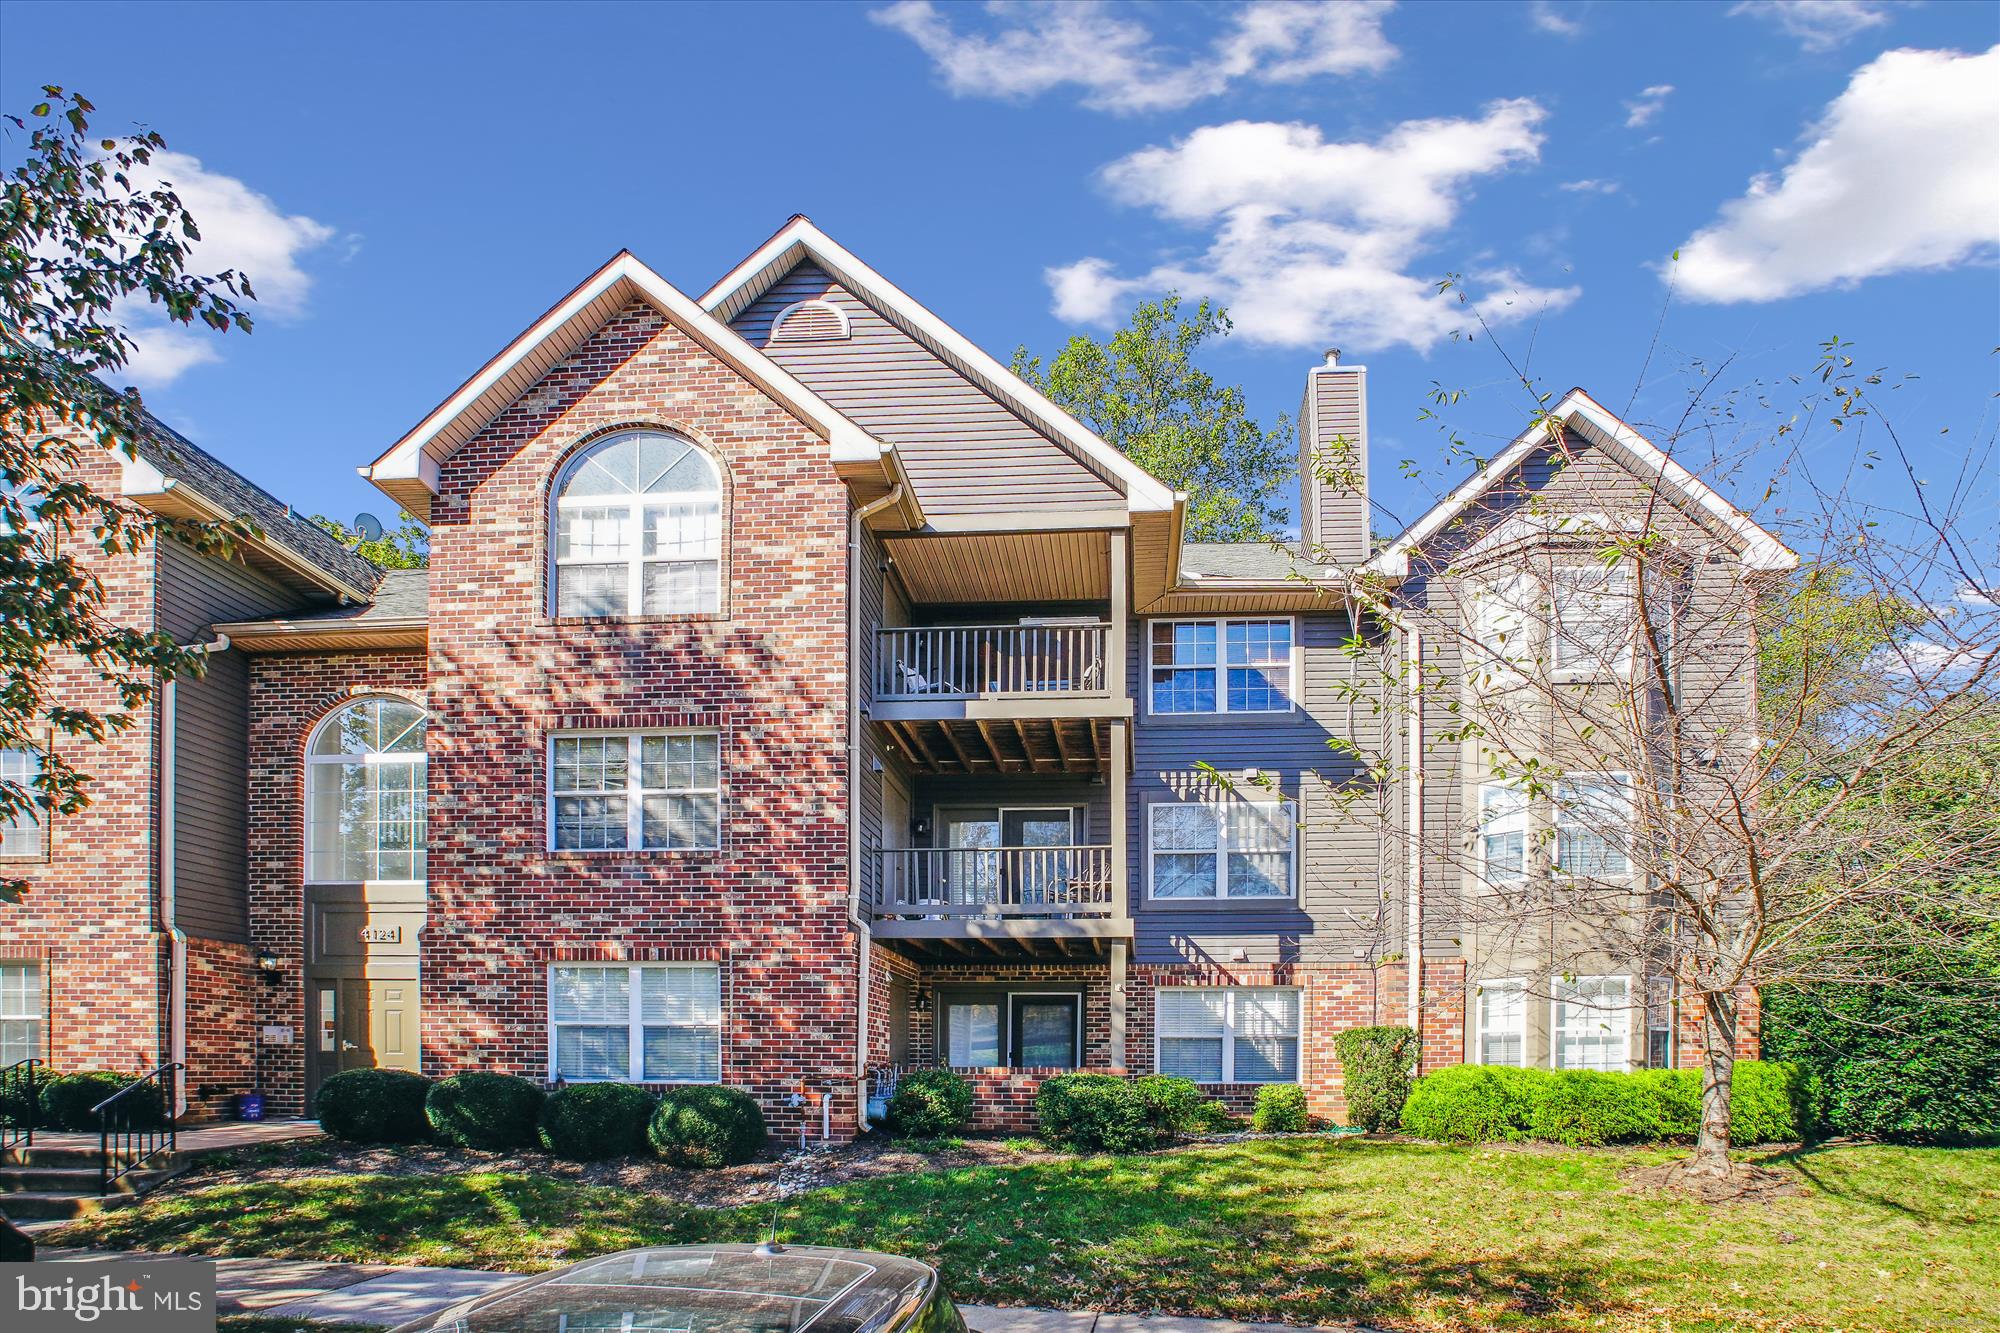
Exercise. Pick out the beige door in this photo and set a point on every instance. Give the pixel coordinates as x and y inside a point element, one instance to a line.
<point>361,1024</point>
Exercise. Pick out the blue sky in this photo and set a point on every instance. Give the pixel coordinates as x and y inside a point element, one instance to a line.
<point>410,186</point>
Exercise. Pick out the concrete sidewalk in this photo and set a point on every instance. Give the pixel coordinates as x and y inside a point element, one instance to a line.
<point>381,1294</point>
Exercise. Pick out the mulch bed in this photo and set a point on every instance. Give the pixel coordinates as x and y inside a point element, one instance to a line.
<point>1744,1183</point>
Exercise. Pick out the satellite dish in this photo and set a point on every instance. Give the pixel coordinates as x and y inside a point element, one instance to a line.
<point>369,526</point>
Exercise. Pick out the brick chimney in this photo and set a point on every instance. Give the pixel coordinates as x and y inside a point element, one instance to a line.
<point>1333,462</point>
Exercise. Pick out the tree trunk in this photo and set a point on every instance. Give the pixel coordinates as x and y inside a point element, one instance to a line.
<point>1718,1074</point>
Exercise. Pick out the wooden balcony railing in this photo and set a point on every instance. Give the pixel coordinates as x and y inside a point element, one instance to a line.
<point>1052,882</point>
<point>984,661</point>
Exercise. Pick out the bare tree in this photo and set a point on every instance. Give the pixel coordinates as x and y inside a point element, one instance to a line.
<point>1679,734</point>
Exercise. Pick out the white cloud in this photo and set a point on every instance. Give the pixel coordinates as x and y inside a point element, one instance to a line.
<point>1591,186</point>
<point>1310,241</point>
<point>1035,47</point>
<point>1902,172</point>
<point>241,230</point>
<point>1818,25</point>
<point>1649,103</point>
<point>1546,16</point>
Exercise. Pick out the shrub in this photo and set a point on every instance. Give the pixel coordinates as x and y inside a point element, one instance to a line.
<point>14,1088</point>
<point>1175,1106</point>
<point>67,1099</point>
<point>1583,1108</point>
<point>1281,1109</point>
<point>1377,1065</point>
<point>1917,1061</point>
<point>1211,1117</point>
<point>1095,1113</point>
<point>1471,1103</point>
<point>477,1109</point>
<point>930,1103</point>
<point>707,1126</point>
<point>374,1106</point>
<point>587,1121</point>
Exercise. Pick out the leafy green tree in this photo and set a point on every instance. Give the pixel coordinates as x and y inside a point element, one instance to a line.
<point>1142,392</point>
<point>405,546</point>
<point>79,241</point>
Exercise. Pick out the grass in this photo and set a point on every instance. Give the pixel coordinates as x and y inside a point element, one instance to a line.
<point>1301,1230</point>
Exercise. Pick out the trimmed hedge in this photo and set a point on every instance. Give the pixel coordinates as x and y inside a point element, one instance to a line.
<point>1376,1067</point>
<point>930,1103</point>
<point>588,1121</point>
<point>1106,1113</point>
<point>707,1126</point>
<point>1772,1103</point>
<point>67,1098</point>
<point>1281,1109</point>
<point>374,1106</point>
<point>478,1109</point>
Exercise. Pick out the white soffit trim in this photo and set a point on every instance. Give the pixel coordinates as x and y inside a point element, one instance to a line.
<point>801,239</point>
<point>1578,410</point>
<point>574,318</point>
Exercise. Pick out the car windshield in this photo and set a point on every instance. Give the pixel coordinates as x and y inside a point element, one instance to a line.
<point>720,1290</point>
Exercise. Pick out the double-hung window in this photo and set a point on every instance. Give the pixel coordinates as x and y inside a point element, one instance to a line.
<point>1592,1023</point>
<point>638,529</point>
<point>1501,621</point>
<point>635,1023</point>
<point>1503,1020</point>
<point>1211,1034</point>
<point>1593,825</point>
<point>1592,620</point>
<point>1230,848</point>
<point>614,791</point>
<point>1221,666</point>
<point>22,834</point>
<point>21,1010</point>
<point>1503,833</point>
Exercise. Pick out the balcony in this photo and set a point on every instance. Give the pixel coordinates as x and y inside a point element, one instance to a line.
<point>999,893</point>
<point>996,671</point>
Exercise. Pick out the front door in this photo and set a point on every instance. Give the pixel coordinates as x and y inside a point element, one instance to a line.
<point>1044,1035</point>
<point>1039,872</point>
<point>359,1023</point>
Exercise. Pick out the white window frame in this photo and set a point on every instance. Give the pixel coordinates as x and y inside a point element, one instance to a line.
<point>1230,994</point>
<point>22,767</point>
<point>635,792</point>
<point>1619,663</point>
<point>309,840</point>
<point>636,506</point>
<point>37,1014</point>
<point>635,1025</point>
<point>1510,607</point>
<point>1221,666</point>
<point>1561,820</point>
<point>1218,810</point>
<point>1516,821</point>
<point>1519,985</point>
<point>1620,1019</point>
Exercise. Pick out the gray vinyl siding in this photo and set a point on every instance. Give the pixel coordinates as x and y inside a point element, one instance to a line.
<point>1336,518</point>
<point>933,794</point>
<point>211,738</point>
<point>1341,906</point>
<point>950,434</point>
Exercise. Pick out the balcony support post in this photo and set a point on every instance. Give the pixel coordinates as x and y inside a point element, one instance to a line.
<point>1120,1060</point>
<point>1116,670</point>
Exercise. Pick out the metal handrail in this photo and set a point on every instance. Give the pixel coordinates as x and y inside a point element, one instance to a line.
<point>951,661</point>
<point>14,1135</point>
<point>1059,882</point>
<point>117,1123</point>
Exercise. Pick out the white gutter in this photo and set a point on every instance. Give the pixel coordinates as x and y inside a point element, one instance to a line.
<point>1415,653</point>
<point>177,985</point>
<point>855,916</point>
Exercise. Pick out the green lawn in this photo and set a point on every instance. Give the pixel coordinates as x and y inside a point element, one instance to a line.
<point>1301,1230</point>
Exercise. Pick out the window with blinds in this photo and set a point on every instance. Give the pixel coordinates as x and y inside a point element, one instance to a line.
<point>1212,1034</point>
<point>1592,1023</point>
<point>636,1023</point>
<point>1503,1020</point>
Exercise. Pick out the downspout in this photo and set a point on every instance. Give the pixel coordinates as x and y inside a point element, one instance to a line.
<point>855,916</point>
<point>1414,640</point>
<point>177,967</point>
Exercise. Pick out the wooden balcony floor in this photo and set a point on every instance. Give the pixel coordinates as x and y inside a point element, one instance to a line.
<point>1052,745</point>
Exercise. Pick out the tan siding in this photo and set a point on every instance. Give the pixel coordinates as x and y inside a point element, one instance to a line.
<point>950,434</point>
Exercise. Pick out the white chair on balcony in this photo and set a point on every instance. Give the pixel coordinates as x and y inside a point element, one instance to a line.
<point>909,680</point>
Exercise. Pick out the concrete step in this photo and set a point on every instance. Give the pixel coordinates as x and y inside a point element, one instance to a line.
<point>77,1179</point>
<point>68,1155</point>
<point>32,1205</point>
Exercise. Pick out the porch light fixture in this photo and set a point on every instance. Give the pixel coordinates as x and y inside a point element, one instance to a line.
<point>921,1002</point>
<point>268,963</point>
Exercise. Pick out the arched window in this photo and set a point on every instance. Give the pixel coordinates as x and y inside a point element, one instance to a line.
<point>638,529</point>
<point>365,794</point>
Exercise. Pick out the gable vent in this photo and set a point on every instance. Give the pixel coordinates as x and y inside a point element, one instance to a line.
<point>813,321</point>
